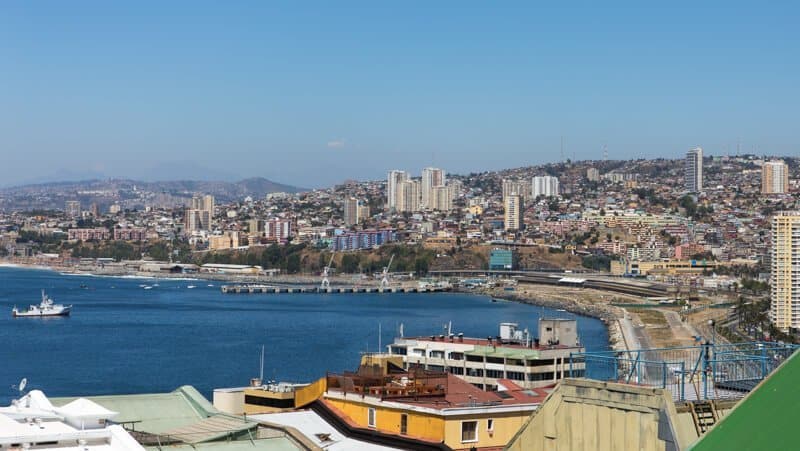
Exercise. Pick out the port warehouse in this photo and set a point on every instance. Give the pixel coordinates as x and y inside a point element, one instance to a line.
<point>624,286</point>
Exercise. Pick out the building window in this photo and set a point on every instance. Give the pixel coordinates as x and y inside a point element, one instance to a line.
<point>403,424</point>
<point>371,417</point>
<point>469,431</point>
<point>490,424</point>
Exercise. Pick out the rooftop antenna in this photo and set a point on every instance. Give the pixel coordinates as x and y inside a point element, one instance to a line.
<point>401,330</point>
<point>379,337</point>
<point>261,374</point>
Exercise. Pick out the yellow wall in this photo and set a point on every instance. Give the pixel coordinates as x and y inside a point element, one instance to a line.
<point>387,420</point>
<point>505,426</point>
<point>310,393</point>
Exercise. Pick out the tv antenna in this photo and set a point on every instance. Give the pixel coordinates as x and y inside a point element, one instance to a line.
<point>605,152</point>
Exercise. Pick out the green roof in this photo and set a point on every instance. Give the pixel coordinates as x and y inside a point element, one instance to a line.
<point>155,413</point>
<point>764,420</point>
<point>503,352</point>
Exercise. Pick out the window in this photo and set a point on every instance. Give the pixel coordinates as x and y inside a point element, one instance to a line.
<point>403,424</point>
<point>371,417</point>
<point>469,431</point>
<point>490,424</point>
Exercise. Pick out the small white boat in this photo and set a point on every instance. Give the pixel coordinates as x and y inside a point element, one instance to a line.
<point>155,285</point>
<point>147,287</point>
<point>45,308</point>
<point>190,287</point>
<point>211,285</point>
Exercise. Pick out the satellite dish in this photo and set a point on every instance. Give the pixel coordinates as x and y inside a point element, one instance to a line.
<point>22,384</point>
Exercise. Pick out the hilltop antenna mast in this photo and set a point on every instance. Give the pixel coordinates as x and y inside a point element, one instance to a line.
<point>605,152</point>
<point>562,149</point>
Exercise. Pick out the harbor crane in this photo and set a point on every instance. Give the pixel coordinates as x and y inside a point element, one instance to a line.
<point>325,282</point>
<point>385,279</point>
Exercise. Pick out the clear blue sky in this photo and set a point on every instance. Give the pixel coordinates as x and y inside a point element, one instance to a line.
<point>312,93</point>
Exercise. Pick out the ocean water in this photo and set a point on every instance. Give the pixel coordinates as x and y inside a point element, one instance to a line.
<point>123,339</point>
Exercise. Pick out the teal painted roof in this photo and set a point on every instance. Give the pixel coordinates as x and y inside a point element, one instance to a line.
<point>155,413</point>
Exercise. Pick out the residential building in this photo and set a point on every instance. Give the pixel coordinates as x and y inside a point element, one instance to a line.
<point>441,198</point>
<point>784,278</point>
<point>514,354</point>
<point>431,178</point>
<point>363,239</point>
<point>428,408</point>
<point>593,175</point>
<point>88,234</point>
<point>694,170</point>
<point>546,186</point>
<point>518,187</point>
<point>394,179</point>
<point>72,208</point>
<point>278,230</point>
<point>774,177</point>
<point>408,196</point>
<point>130,234</point>
<point>114,208</point>
<point>513,212</point>
<point>227,240</point>
<point>351,210</point>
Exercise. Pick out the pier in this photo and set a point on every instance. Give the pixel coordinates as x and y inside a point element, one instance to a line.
<point>272,289</point>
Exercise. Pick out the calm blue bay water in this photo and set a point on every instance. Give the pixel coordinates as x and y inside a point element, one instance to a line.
<point>124,339</point>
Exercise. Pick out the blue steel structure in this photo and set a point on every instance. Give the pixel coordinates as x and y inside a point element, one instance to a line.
<point>707,371</point>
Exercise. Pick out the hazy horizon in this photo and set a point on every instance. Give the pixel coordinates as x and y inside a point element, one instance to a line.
<point>311,95</point>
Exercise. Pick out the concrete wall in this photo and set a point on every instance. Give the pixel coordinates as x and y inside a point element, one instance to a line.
<point>589,415</point>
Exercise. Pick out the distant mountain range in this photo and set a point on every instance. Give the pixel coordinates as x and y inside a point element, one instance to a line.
<point>255,187</point>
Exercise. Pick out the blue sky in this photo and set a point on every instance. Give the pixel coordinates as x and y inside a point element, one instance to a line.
<point>312,93</point>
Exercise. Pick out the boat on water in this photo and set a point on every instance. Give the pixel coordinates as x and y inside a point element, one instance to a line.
<point>45,308</point>
<point>190,287</point>
<point>148,287</point>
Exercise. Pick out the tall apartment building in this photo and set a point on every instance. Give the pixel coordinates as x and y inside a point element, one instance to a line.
<point>72,208</point>
<point>784,278</point>
<point>395,177</point>
<point>278,230</point>
<point>441,198</point>
<point>694,170</point>
<point>431,178</point>
<point>546,186</point>
<point>593,175</point>
<point>514,211</point>
<point>351,211</point>
<point>518,187</point>
<point>408,196</point>
<point>774,177</point>
<point>200,215</point>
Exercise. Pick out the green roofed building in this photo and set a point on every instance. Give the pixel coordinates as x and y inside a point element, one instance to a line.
<point>184,419</point>
<point>765,419</point>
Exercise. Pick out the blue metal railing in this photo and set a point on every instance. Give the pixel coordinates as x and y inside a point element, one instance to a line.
<point>708,371</point>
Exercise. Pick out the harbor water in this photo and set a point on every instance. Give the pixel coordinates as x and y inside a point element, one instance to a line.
<point>123,338</point>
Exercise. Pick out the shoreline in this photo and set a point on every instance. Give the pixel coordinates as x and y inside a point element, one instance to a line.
<point>609,315</point>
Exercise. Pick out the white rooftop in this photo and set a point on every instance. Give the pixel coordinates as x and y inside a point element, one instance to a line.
<point>32,422</point>
<point>310,424</point>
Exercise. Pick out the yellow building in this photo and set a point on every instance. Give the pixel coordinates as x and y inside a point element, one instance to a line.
<point>227,240</point>
<point>432,407</point>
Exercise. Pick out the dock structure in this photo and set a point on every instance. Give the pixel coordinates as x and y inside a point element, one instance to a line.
<point>273,289</point>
